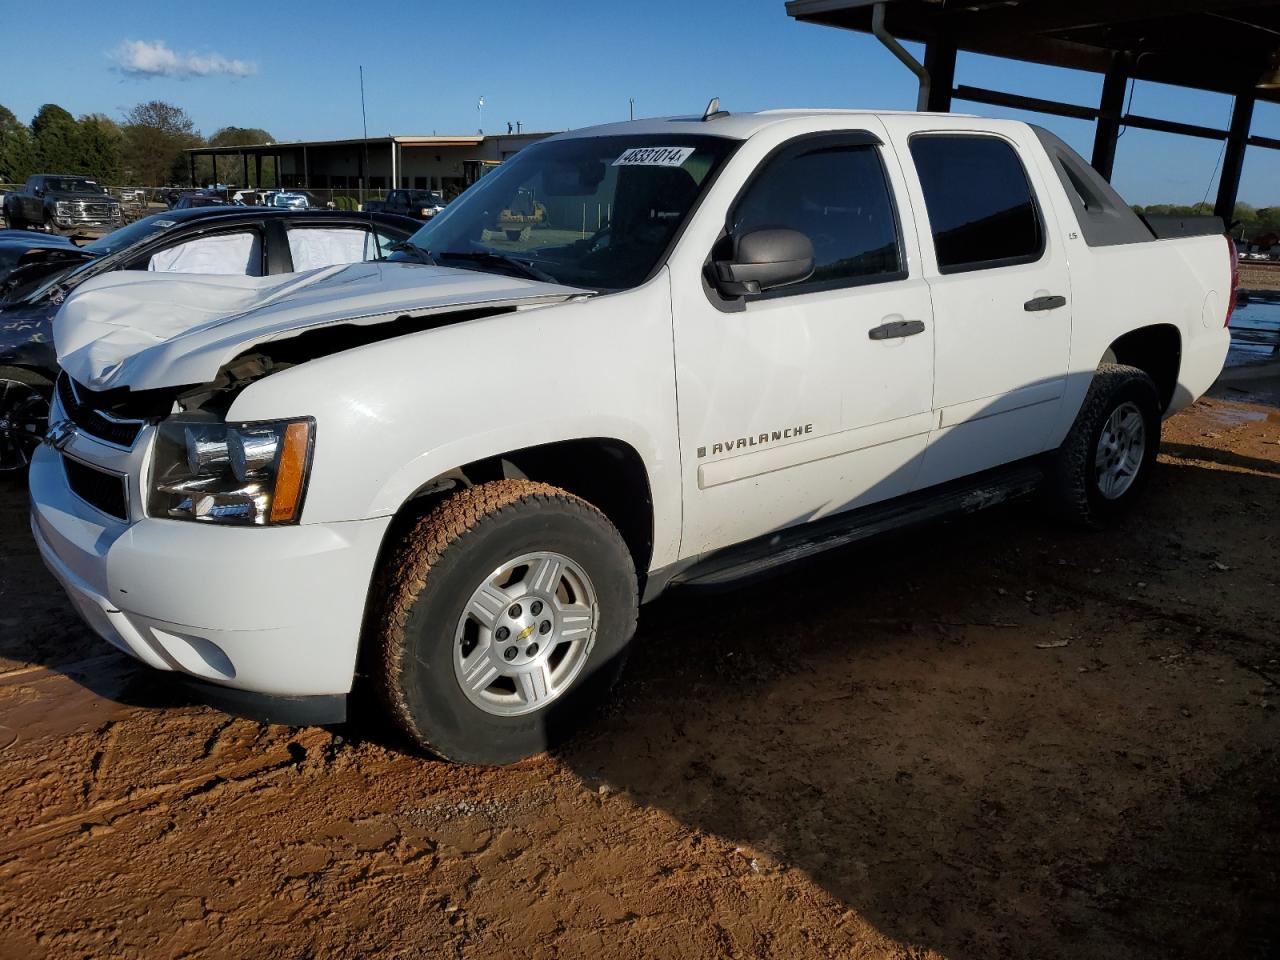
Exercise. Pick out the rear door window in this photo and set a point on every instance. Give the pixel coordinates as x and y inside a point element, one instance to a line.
<point>982,210</point>
<point>838,196</point>
<point>316,247</point>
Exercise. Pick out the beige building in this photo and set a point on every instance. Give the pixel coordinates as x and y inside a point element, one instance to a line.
<point>443,163</point>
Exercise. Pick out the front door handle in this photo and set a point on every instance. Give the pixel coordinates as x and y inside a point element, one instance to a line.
<point>1044,303</point>
<point>899,328</point>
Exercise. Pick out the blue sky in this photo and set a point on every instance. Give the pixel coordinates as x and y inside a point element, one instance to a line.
<point>292,69</point>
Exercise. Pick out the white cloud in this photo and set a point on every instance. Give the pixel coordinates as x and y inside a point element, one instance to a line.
<point>143,58</point>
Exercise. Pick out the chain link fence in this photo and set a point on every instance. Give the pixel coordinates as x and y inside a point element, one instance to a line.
<point>137,202</point>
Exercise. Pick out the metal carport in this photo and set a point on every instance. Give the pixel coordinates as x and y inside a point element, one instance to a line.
<point>1223,46</point>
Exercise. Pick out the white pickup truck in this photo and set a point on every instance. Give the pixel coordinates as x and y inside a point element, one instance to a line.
<point>666,351</point>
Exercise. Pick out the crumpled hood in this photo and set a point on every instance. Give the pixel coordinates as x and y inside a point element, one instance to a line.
<point>149,330</point>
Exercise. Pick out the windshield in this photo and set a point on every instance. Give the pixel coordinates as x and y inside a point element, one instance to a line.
<point>595,212</point>
<point>135,232</point>
<point>71,185</point>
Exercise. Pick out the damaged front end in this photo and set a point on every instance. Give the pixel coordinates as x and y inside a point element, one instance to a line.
<point>127,348</point>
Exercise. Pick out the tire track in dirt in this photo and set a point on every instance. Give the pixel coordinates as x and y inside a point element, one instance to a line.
<point>233,775</point>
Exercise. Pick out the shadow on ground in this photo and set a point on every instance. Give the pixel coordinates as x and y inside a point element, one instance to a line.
<point>987,738</point>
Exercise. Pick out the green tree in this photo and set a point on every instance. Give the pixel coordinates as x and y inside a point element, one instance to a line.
<point>230,168</point>
<point>155,134</point>
<point>239,137</point>
<point>15,148</point>
<point>101,142</point>
<point>56,137</point>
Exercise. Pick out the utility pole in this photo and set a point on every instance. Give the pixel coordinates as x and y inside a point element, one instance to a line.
<point>632,102</point>
<point>480,109</point>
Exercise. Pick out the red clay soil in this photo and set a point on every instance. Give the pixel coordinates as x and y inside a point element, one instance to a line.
<point>988,738</point>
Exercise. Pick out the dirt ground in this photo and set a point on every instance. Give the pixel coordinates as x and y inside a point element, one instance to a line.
<point>988,738</point>
<point>1259,275</point>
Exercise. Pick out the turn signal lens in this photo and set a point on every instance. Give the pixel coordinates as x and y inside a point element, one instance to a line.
<point>290,472</point>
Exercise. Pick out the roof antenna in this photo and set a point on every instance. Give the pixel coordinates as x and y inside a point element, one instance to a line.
<point>713,111</point>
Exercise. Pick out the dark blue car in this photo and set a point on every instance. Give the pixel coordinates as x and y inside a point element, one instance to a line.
<point>37,271</point>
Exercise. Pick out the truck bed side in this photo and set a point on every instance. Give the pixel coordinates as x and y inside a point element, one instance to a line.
<point>1131,286</point>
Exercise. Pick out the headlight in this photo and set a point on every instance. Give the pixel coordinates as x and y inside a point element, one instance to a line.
<point>62,206</point>
<point>425,212</point>
<point>240,473</point>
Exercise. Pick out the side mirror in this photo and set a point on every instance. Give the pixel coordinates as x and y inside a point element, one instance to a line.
<point>39,191</point>
<point>764,259</point>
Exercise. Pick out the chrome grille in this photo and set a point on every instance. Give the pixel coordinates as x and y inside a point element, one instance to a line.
<point>92,209</point>
<point>96,423</point>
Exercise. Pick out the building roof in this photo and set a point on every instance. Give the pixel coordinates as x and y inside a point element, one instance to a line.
<point>1219,45</point>
<point>411,140</point>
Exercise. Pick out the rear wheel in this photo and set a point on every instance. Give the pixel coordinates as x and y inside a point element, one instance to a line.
<point>1101,468</point>
<point>502,621</point>
<point>16,222</point>
<point>24,416</point>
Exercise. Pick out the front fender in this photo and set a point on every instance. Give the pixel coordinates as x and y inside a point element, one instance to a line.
<point>391,416</point>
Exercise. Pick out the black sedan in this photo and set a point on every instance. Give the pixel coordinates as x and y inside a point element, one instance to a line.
<point>36,272</point>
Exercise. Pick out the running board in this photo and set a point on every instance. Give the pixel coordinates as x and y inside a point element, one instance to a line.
<point>774,550</point>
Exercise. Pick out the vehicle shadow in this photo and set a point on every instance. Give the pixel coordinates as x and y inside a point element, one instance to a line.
<point>1191,451</point>
<point>883,721</point>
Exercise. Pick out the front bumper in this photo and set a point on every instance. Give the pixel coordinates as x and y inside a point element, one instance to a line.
<point>87,226</point>
<point>274,611</point>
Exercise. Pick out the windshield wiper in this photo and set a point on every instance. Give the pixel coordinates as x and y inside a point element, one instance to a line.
<point>488,256</point>
<point>423,255</point>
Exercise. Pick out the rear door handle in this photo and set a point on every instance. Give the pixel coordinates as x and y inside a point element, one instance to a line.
<point>899,328</point>
<point>1044,303</point>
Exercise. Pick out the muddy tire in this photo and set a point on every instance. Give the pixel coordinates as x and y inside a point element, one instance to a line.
<point>1101,468</point>
<point>501,621</point>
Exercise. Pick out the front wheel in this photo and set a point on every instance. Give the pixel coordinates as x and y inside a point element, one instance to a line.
<point>24,417</point>
<point>1101,468</point>
<point>502,621</point>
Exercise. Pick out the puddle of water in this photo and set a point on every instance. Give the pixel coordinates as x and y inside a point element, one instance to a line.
<point>1255,331</point>
<point>1234,416</point>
